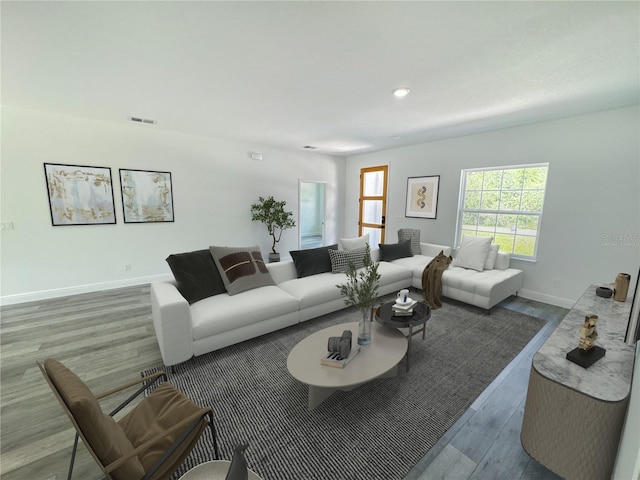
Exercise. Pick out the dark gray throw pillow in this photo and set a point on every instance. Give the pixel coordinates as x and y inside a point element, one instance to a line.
<point>393,251</point>
<point>312,261</point>
<point>196,275</point>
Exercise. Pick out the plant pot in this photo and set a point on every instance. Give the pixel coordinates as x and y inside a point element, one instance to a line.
<point>274,257</point>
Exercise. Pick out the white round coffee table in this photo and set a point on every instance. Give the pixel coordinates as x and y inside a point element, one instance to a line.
<point>215,470</point>
<point>379,359</point>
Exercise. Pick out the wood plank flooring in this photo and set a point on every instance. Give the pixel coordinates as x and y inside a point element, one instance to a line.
<point>107,338</point>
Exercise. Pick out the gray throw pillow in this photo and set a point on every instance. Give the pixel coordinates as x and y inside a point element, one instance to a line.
<point>340,259</point>
<point>241,269</point>
<point>413,235</point>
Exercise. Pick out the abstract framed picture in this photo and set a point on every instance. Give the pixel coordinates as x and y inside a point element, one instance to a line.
<point>422,196</point>
<point>79,194</point>
<point>147,196</point>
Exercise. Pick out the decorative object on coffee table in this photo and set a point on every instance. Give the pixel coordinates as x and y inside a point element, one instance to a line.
<point>276,219</point>
<point>587,352</point>
<point>361,291</point>
<point>388,316</point>
<point>238,468</point>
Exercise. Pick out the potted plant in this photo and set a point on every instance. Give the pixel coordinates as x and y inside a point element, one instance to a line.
<point>361,291</point>
<point>273,215</point>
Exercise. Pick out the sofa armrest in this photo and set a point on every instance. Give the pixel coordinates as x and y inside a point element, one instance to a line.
<point>503,260</point>
<point>432,249</point>
<point>172,322</point>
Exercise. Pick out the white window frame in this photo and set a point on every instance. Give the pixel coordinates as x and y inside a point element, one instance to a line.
<point>500,211</point>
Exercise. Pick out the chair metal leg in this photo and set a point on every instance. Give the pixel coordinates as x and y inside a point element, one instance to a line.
<point>213,435</point>
<point>73,456</point>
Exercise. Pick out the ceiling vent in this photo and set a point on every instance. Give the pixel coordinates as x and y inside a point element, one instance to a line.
<point>143,120</point>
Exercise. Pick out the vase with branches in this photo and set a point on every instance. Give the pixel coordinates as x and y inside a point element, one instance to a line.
<point>272,213</point>
<point>361,291</point>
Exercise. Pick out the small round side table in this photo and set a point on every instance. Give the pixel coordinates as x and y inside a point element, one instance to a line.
<point>421,314</point>
<point>215,470</point>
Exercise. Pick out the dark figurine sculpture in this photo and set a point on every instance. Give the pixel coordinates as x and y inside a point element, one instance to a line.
<point>238,468</point>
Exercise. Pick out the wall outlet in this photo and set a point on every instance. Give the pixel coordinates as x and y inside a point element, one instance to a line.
<point>127,267</point>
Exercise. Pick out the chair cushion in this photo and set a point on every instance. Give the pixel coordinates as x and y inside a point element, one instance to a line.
<point>312,261</point>
<point>394,251</point>
<point>241,269</point>
<point>162,409</point>
<point>107,439</point>
<point>196,275</point>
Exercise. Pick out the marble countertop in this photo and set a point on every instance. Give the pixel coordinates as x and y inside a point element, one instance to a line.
<point>608,379</point>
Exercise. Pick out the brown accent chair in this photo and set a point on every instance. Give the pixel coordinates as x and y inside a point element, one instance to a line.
<point>148,443</point>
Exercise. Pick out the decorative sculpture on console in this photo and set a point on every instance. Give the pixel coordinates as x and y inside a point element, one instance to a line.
<point>588,334</point>
<point>587,352</point>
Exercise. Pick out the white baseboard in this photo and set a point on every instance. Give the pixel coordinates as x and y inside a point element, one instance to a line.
<point>64,292</point>
<point>549,299</point>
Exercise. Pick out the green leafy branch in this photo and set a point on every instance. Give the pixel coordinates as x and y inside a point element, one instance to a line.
<point>361,288</point>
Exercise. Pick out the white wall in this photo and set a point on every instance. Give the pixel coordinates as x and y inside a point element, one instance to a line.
<point>214,183</point>
<point>593,195</point>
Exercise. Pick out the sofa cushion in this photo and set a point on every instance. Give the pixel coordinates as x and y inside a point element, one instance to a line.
<point>224,313</point>
<point>355,243</point>
<point>393,251</point>
<point>315,290</point>
<point>340,259</point>
<point>412,235</point>
<point>241,268</point>
<point>473,252</point>
<point>312,261</point>
<point>196,275</point>
<point>492,256</point>
<point>103,433</point>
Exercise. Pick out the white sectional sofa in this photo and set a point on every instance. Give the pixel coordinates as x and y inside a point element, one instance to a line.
<point>184,330</point>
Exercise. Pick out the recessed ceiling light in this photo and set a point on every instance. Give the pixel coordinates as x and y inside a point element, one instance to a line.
<point>401,91</point>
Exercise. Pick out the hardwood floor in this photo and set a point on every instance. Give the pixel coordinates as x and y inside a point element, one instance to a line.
<point>107,338</point>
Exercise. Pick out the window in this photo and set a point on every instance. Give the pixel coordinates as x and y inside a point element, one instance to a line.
<point>504,203</point>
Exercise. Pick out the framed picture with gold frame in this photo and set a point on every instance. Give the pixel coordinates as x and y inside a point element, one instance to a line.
<point>79,194</point>
<point>422,196</point>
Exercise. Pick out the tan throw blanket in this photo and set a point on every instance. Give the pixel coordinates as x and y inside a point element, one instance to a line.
<point>432,279</point>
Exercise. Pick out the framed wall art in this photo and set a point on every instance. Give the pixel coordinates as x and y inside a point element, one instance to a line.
<point>79,194</point>
<point>147,196</point>
<point>422,196</point>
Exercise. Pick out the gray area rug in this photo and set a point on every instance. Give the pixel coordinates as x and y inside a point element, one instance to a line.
<point>377,431</point>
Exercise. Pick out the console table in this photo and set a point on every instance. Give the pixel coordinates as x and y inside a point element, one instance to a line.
<point>573,416</point>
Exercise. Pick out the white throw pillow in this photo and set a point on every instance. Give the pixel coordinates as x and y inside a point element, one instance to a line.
<point>491,258</point>
<point>353,243</point>
<point>473,252</point>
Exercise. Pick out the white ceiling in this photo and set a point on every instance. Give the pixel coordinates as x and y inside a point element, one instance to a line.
<point>291,74</point>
